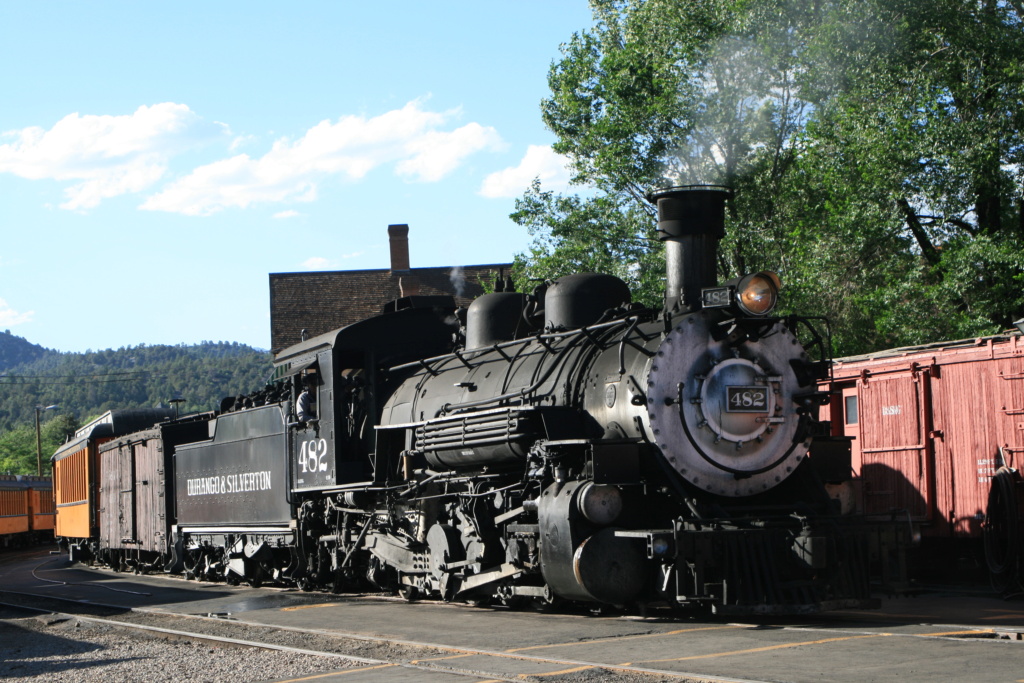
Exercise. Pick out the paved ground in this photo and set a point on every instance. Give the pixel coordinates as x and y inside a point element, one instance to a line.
<point>942,636</point>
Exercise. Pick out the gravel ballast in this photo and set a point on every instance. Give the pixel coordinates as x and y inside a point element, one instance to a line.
<point>56,648</point>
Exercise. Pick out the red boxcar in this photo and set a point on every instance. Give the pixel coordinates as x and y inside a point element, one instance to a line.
<point>931,426</point>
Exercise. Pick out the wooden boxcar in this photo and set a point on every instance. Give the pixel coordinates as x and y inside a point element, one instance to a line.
<point>137,492</point>
<point>931,426</point>
<point>76,475</point>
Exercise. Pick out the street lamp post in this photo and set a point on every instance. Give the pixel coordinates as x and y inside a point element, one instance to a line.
<point>176,401</point>
<point>39,443</point>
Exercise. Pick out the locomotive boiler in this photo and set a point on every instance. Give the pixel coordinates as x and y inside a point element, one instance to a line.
<point>567,445</point>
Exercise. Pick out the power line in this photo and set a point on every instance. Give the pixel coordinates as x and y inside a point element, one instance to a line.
<point>113,378</point>
<point>134,373</point>
<point>70,381</point>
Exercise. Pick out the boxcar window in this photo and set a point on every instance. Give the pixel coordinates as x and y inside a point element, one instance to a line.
<point>851,410</point>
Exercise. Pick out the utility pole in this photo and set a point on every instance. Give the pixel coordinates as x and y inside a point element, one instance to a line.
<point>39,443</point>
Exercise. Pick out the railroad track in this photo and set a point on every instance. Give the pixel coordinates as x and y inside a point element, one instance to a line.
<point>347,650</point>
<point>195,635</point>
<point>366,632</point>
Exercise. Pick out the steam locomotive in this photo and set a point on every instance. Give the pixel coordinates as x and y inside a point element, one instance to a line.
<point>564,445</point>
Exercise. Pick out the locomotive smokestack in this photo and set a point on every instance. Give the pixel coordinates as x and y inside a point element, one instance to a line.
<point>691,221</point>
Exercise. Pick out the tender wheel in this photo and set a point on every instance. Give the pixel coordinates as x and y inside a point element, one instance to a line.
<point>1002,533</point>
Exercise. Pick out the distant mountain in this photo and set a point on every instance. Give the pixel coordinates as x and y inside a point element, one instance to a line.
<point>16,351</point>
<point>88,384</point>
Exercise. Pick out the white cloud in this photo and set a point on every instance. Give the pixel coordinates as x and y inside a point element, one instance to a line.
<point>437,154</point>
<point>321,263</point>
<point>241,141</point>
<point>349,148</point>
<point>539,162</point>
<point>317,263</point>
<point>291,213</point>
<point>10,317</point>
<point>107,155</point>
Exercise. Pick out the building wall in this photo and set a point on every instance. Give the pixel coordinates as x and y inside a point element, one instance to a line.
<point>319,302</point>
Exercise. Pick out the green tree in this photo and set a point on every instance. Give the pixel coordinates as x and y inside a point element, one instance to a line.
<point>18,451</point>
<point>875,146</point>
<point>930,120</point>
<point>18,445</point>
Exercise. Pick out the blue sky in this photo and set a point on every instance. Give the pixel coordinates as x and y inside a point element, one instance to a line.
<point>159,160</point>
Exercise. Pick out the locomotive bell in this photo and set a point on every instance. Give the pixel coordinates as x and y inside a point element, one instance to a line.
<point>691,221</point>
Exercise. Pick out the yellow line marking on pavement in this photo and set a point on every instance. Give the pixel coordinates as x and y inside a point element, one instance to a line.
<point>978,631</point>
<point>605,641</point>
<point>298,607</point>
<point>557,673</point>
<point>1010,615</point>
<point>340,673</point>
<point>901,615</point>
<point>463,652</point>
<point>437,659</point>
<point>759,649</point>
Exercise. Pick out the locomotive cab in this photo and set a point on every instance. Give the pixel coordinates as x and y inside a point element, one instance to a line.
<point>345,369</point>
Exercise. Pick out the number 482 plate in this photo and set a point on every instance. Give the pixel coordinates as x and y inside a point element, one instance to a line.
<point>747,399</point>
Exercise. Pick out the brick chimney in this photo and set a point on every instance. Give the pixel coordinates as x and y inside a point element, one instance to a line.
<point>408,284</point>
<point>399,237</point>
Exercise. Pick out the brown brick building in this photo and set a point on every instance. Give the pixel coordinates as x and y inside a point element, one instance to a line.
<point>319,302</point>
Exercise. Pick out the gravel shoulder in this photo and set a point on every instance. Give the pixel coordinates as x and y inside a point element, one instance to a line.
<point>59,648</point>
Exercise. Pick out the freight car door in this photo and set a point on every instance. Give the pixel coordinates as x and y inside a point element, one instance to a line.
<point>894,466</point>
<point>126,495</point>
<point>850,426</point>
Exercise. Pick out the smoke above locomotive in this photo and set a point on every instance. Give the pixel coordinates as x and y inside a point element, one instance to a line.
<point>563,445</point>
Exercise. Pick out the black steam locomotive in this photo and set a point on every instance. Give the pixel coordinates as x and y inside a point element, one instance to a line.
<point>568,445</point>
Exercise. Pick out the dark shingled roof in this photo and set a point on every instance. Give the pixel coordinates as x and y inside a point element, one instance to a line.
<point>319,302</point>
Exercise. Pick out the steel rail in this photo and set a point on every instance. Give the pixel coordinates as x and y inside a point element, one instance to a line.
<point>202,637</point>
<point>417,663</point>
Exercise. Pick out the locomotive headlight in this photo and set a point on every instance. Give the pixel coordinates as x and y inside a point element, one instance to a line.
<point>757,293</point>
